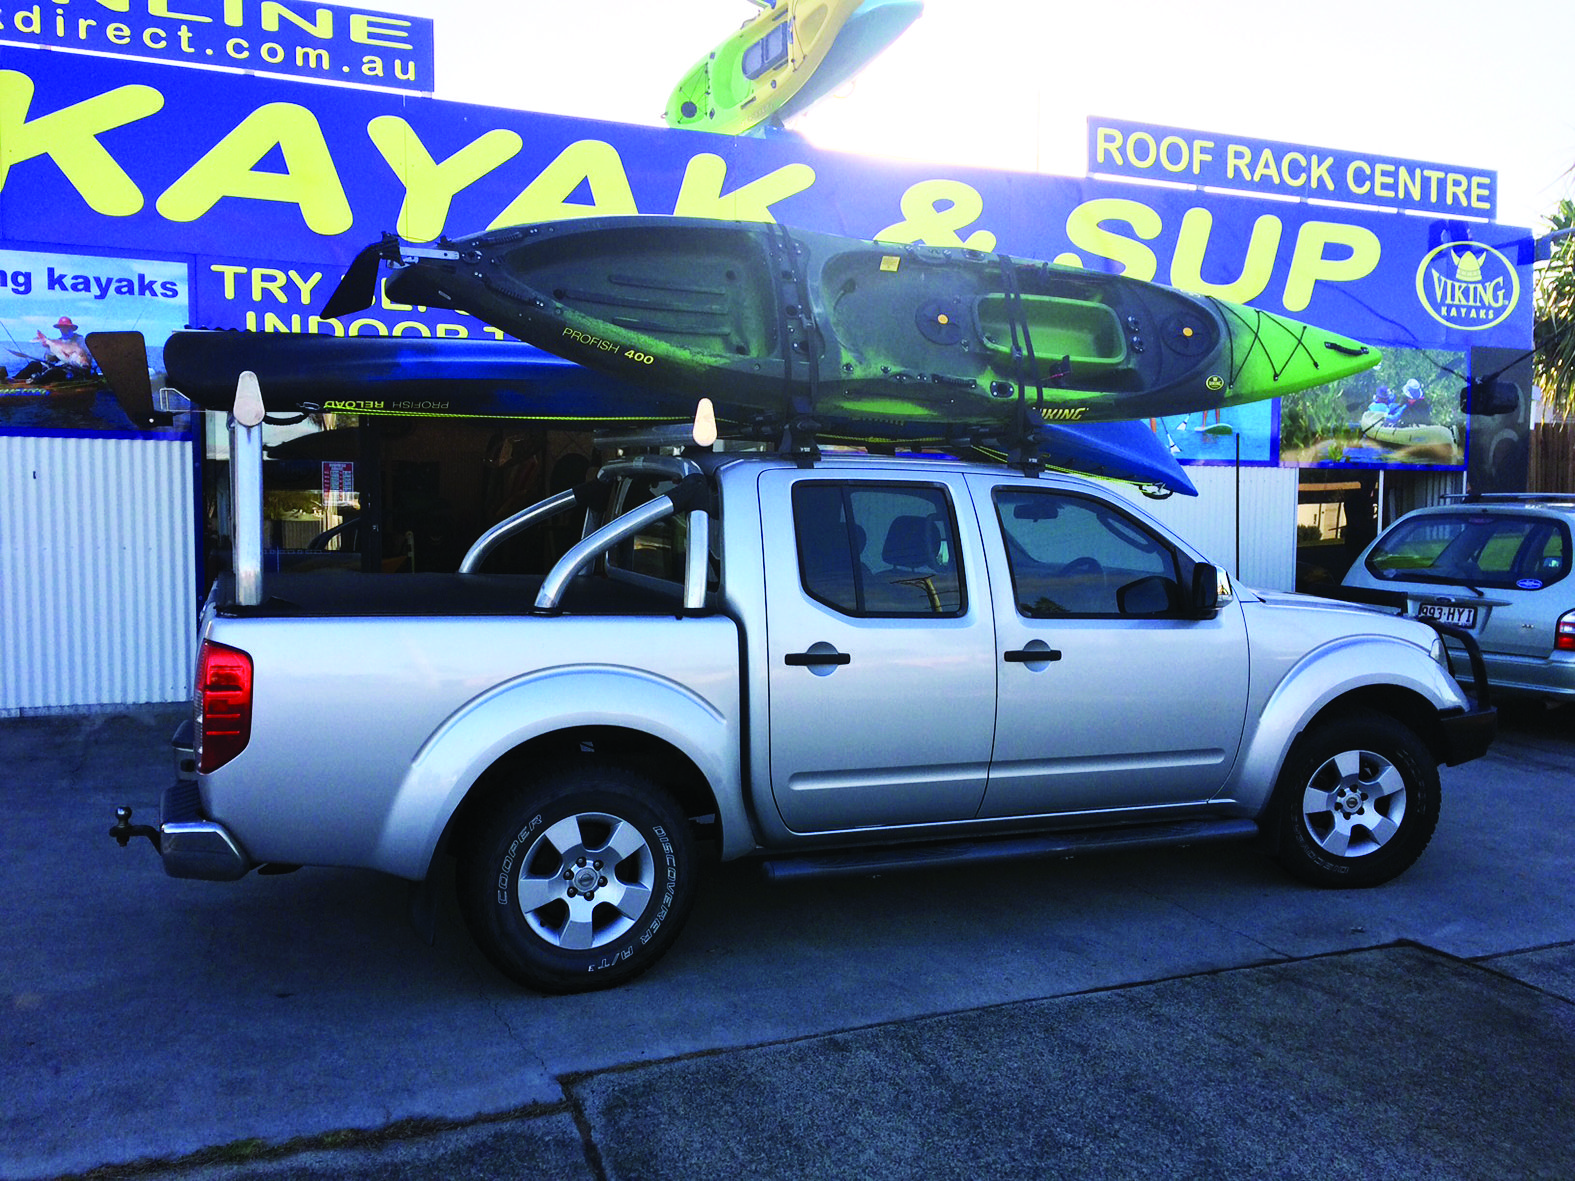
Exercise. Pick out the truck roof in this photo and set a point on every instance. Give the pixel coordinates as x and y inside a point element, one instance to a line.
<point>907,464</point>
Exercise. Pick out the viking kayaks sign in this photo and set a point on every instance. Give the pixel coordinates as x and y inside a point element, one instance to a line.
<point>265,189</point>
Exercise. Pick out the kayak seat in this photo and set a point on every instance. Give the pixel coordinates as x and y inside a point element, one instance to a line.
<point>1089,333</point>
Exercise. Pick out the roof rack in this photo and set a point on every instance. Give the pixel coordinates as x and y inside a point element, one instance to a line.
<point>679,435</point>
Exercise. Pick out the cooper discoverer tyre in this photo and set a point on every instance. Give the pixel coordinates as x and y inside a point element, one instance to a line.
<point>1356,803</point>
<point>579,879</point>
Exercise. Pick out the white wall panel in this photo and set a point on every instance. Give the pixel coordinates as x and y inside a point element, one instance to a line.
<point>97,579</point>
<point>1260,523</point>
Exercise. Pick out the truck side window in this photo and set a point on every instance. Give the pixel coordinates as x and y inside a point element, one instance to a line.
<point>1071,556</point>
<point>872,549</point>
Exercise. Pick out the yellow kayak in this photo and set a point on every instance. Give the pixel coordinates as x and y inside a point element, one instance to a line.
<point>754,72</point>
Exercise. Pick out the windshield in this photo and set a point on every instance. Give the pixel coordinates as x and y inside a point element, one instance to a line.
<point>1474,549</point>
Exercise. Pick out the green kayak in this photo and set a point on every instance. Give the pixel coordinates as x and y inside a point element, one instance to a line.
<point>768,317</point>
<point>759,68</point>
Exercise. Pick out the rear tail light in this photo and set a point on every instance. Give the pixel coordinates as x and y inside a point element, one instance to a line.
<point>224,704</point>
<point>1564,634</point>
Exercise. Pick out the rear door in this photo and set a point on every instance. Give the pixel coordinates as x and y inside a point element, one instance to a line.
<point>1109,697</point>
<point>880,646</point>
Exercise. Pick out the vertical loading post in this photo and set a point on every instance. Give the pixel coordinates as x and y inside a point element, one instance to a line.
<point>246,489</point>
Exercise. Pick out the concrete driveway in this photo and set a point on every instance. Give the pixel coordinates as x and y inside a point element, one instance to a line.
<point>1187,1012</point>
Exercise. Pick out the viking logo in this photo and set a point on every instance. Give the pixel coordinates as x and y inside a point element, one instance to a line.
<point>1467,286</point>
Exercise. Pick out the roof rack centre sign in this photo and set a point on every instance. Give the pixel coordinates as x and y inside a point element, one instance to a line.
<point>325,42</point>
<point>1146,151</point>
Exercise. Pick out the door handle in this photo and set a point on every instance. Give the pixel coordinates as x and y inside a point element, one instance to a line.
<point>1031,655</point>
<point>815,659</point>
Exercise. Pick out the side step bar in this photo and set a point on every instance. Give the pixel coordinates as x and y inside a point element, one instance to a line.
<point>856,862</point>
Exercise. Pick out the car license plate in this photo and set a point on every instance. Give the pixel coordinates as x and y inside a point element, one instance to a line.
<point>1459,616</point>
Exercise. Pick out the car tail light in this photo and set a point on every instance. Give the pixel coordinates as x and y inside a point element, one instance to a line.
<point>224,704</point>
<point>1564,634</point>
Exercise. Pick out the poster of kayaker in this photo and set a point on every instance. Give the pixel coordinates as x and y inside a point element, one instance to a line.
<point>1404,413</point>
<point>49,303</point>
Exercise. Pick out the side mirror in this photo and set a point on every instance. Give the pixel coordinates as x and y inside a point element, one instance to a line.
<point>1205,597</point>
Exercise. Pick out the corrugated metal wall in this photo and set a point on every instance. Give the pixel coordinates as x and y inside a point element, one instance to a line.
<point>1404,491</point>
<point>1209,521</point>
<point>97,585</point>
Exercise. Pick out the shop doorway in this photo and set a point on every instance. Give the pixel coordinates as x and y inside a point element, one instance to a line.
<point>1336,518</point>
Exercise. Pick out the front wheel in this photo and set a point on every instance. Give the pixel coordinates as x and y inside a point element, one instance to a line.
<point>1356,803</point>
<point>578,880</point>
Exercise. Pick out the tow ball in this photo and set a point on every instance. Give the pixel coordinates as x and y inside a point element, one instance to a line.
<point>124,830</point>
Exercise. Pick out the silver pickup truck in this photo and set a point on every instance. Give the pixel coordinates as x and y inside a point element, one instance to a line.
<point>838,667</point>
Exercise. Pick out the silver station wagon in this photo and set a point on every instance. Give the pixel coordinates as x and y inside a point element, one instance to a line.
<point>1497,566</point>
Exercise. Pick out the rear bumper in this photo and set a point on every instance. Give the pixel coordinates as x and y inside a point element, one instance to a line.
<point>191,845</point>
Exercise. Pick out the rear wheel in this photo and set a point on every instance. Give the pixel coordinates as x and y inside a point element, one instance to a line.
<point>578,880</point>
<point>1356,803</point>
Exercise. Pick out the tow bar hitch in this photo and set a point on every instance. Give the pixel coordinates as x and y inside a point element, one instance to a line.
<point>124,830</point>
<point>189,844</point>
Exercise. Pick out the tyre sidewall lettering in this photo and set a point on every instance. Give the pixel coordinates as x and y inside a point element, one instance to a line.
<point>506,870</point>
<point>669,879</point>
<point>630,942</point>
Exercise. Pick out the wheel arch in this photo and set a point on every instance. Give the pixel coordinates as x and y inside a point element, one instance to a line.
<point>1404,705</point>
<point>684,742</point>
<point>1336,682</point>
<point>669,767</point>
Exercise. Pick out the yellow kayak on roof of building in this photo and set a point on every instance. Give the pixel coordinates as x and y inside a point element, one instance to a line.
<point>748,77</point>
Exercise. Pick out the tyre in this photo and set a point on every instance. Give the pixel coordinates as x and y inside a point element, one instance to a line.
<point>1356,803</point>
<point>579,879</point>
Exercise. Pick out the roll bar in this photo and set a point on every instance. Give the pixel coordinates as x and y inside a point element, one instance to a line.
<point>689,496</point>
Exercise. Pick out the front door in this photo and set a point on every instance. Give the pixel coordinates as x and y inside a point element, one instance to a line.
<point>1109,697</point>
<point>880,642</point>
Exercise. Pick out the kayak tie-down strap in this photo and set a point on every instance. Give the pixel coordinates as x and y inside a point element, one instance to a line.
<point>1024,364</point>
<point>1025,453</point>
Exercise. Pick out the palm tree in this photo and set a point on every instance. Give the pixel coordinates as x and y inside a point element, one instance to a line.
<point>1554,331</point>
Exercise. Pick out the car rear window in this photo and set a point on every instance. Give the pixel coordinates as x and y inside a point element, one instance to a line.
<point>1474,549</point>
